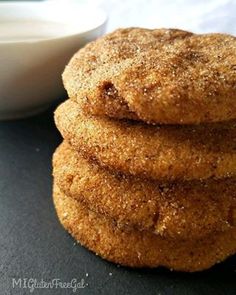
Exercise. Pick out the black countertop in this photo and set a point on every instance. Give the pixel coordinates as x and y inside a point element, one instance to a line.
<point>33,245</point>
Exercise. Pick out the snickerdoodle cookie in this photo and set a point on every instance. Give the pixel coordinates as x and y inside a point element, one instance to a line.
<point>140,249</point>
<point>158,76</point>
<point>166,152</point>
<point>189,210</point>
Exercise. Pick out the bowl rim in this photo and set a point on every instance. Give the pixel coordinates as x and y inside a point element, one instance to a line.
<point>100,23</point>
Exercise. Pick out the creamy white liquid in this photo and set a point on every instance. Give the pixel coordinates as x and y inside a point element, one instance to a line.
<point>30,30</point>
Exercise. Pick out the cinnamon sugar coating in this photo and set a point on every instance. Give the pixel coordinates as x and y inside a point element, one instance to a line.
<point>158,76</point>
<point>140,249</point>
<point>164,153</point>
<point>187,211</point>
<point>146,175</point>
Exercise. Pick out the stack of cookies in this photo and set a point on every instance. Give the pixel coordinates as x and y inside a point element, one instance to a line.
<point>146,174</point>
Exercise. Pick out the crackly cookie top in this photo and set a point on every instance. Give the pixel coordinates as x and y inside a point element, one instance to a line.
<point>158,76</point>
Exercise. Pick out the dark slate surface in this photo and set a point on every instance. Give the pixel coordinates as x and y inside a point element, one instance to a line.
<point>34,245</point>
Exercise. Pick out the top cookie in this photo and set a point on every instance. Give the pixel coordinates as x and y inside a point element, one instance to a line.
<point>158,76</point>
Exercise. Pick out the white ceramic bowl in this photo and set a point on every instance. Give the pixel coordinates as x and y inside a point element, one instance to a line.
<point>30,71</point>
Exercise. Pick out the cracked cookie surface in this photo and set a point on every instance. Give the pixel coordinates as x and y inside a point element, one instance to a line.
<point>158,76</point>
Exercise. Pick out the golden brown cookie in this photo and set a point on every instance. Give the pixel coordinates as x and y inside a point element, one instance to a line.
<point>167,152</point>
<point>159,76</point>
<point>189,210</point>
<point>140,249</point>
